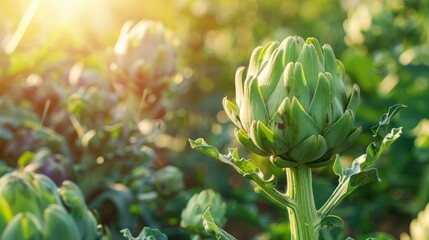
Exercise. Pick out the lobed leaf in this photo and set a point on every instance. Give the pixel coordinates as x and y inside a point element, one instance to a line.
<point>211,227</point>
<point>246,167</point>
<point>360,171</point>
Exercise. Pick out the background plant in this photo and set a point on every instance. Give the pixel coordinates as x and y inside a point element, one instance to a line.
<point>216,38</point>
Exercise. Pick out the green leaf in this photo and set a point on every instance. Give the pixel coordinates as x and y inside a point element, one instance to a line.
<point>146,234</point>
<point>360,172</point>
<point>332,221</point>
<point>246,167</point>
<point>382,139</point>
<point>362,178</point>
<point>211,227</point>
<point>201,146</point>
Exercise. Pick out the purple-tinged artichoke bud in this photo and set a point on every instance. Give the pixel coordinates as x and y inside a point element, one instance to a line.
<point>292,104</point>
<point>52,165</point>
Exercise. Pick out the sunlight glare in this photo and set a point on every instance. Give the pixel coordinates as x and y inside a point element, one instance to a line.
<point>67,11</point>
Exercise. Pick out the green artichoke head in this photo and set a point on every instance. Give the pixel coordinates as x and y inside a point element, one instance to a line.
<point>292,104</point>
<point>146,51</point>
<point>32,207</point>
<point>191,218</point>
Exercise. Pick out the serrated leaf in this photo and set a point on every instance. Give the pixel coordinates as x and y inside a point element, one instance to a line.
<point>201,146</point>
<point>360,172</point>
<point>375,149</point>
<point>146,234</point>
<point>211,227</point>
<point>246,167</point>
<point>332,221</point>
<point>382,139</point>
<point>362,178</point>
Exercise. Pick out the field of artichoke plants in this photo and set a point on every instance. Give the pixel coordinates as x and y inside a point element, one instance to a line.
<point>214,119</point>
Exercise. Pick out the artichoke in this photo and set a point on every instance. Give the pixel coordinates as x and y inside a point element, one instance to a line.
<point>293,104</point>
<point>32,207</point>
<point>191,218</point>
<point>145,55</point>
<point>52,165</point>
<point>168,181</point>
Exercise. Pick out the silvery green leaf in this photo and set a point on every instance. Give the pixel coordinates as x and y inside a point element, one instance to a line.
<point>246,167</point>
<point>211,227</point>
<point>146,234</point>
<point>382,137</point>
<point>360,172</point>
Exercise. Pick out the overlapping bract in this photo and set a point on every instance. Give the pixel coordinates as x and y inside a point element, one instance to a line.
<point>32,207</point>
<point>292,104</point>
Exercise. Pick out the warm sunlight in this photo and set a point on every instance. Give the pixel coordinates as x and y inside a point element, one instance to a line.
<point>66,10</point>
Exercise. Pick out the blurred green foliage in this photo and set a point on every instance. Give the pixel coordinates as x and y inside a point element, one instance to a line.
<point>383,44</point>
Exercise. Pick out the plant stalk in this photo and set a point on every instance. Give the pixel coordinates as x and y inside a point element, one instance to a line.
<point>303,217</point>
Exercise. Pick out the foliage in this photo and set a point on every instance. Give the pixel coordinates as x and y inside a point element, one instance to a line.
<point>34,208</point>
<point>146,234</point>
<point>63,103</point>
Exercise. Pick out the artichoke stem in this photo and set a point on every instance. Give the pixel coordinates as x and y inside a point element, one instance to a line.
<point>304,221</point>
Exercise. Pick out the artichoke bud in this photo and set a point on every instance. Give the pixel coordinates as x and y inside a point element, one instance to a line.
<point>191,218</point>
<point>145,55</point>
<point>168,181</point>
<point>74,200</point>
<point>20,194</point>
<point>292,104</point>
<point>32,208</point>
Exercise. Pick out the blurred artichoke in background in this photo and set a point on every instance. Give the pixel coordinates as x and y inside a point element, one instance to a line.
<point>419,227</point>
<point>145,57</point>
<point>52,165</point>
<point>168,181</point>
<point>293,104</point>
<point>146,234</point>
<point>32,207</point>
<point>197,205</point>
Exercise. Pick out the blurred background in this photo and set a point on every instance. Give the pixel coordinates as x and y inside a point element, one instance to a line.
<point>55,52</point>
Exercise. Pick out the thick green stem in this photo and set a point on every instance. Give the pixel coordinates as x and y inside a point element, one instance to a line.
<point>303,217</point>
